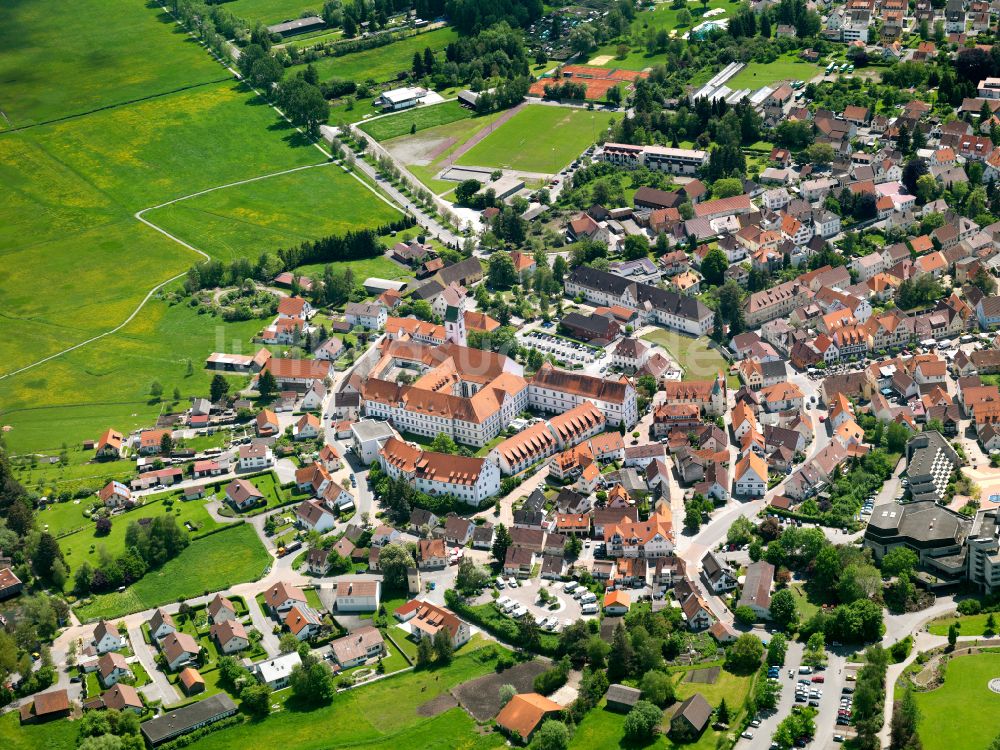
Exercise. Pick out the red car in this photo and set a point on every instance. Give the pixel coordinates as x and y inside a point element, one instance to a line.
<point>819,678</point>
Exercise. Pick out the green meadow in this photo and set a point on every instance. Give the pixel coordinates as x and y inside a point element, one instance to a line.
<point>421,118</point>
<point>383,63</point>
<point>76,261</point>
<point>215,562</point>
<point>271,12</point>
<point>274,213</point>
<point>539,138</point>
<point>61,59</point>
<point>955,714</point>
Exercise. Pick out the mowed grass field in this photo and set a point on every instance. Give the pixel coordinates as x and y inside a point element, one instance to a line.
<point>76,262</point>
<point>381,715</point>
<point>215,562</point>
<point>85,545</point>
<point>422,118</point>
<point>60,59</point>
<point>53,735</point>
<point>383,63</point>
<point>539,138</point>
<point>785,68</point>
<point>106,383</point>
<point>695,356</point>
<point>274,213</point>
<point>953,715</point>
<point>271,12</point>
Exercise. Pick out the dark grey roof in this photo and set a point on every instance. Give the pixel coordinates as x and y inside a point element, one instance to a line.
<point>623,694</point>
<point>924,523</point>
<point>176,723</point>
<point>696,710</point>
<point>461,271</point>
<point>661,299</point>
<point>427,291</point>
<point>775,369</point>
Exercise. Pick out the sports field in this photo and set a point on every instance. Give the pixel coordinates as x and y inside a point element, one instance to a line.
<point>59,59</point>
<point>383,63</point>
<point>422,118</point>
<point>215,562</point>
<point>274,213</point>
<point>539,138</point>
<point>786,68</point>
<point>952,716</point>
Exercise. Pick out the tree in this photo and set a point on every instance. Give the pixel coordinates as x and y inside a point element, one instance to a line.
<point>47,553</point>
<point>740,531</point>
<point>304,104</point>
<point>501,273</point>
<point>745,654</point>
<point>501,543</point>
<point>156,390</point>
<point>288,643</point>
<point>219,388</point>
<point>815,651</point>
<point>714,266</point>
<point>722,712</point>
<point>425,652</point>
<point>636,247</point>
<point>784,611</point>
<point>393,561</point>
<point>820,153</point>
<point>991,624</point>
<point>552,735</point>
<point>903,727</point>
<point>692,517</point>
<point>442,646</point>
<point>777,647</point>
<point>658,688</point>
<point>899,560</point>
<point>267,385</point>
<point>444,443</point>
<point>927,189</point>
<point>470,577</point>
<point>952,635</point>
<point>621,660</point>
<point>745,615</point>
<point>466,190</point>
<point>312,682</point>
<point>727,187</point>
<point>642,722</point>
<point>913,170</point>
<point>506,692</point>
<point>166,444</point>
<point>256,700</point>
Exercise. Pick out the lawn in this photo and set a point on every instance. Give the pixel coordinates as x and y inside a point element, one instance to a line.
<point>393,126</point>
<point>271,12</point>
<point>380,715</point>
<point>382,63</point>
<point>785,68</point>
<point>68,192</point>
<point>86,545</point>
<point>48,73</point>
<point>698,360</point>
<point>539,138</point>
<point>213,563</point>
<point>968,624</point>
<point>804,601</point>
<point>274,213</point>
<point>602,729</point>
<point>106,383</point>
<point>952,716</point>
<point>53,735</point>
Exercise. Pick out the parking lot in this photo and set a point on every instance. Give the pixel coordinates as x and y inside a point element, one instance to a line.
<point>564,349</point>
<point>562,608</point>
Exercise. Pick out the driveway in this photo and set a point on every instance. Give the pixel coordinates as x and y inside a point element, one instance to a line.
<point>160,688</point>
